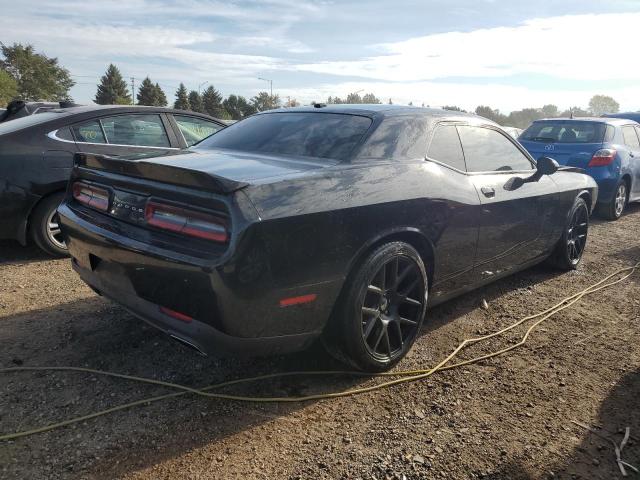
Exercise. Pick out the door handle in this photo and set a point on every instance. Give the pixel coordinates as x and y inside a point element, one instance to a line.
<point>488,192</point>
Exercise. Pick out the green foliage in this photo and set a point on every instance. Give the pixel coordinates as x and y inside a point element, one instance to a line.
<point>195,102</point>
<point>238,107</point>
<point>452,108</point>
<point>491,114</point>
<point>575,112</point>
<point>601,104</point>
<point>550,111</point>
<point>370,98</point>
<point>148,94</point>
<point>212,103</point>
<point>263,101</point>
<point>161,98</point>
<point>112,89</point>
<point>37,77</point>
<point>8,88</point>
<point>182,98</point>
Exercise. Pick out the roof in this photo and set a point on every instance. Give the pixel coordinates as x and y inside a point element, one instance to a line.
<point>607,120</point>
<point>376,110</point>
<point>121,109</point>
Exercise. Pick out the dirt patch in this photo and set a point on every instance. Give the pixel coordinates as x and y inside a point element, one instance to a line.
<point>506,418</point>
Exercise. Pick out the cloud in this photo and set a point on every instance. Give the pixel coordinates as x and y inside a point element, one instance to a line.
<point>569,47</point>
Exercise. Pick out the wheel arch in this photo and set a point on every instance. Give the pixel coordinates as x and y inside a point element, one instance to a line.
<point>587,196</point>
<point>25,226</point>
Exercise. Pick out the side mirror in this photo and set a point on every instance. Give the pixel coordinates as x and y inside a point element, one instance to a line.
<point>547,166</point>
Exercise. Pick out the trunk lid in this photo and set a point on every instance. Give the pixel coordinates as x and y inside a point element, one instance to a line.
<point>569,154</point>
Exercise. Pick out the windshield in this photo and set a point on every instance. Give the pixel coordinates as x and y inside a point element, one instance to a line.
<point>24,122</point>
<point>319,135</point>
<point>565,132</point>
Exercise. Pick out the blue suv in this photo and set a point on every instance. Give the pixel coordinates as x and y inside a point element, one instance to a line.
<point>607,148</point>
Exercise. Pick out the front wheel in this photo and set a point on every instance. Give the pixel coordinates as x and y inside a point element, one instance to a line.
<point>45,228</point>
<point>569,249</point>
<point>382,309</point>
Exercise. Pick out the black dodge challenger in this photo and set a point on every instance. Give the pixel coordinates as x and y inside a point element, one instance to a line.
<point>332,222</point>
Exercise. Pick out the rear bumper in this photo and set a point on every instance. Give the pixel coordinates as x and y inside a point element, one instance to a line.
<point>230,312</point>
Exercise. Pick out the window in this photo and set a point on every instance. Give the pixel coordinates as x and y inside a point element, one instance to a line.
<point>565,131</point>
<point>630,137</point>
<point>398,138</point>
<point>445,147</point>
<point>88,132</point>
<point>486,150</point>
<point>136,130</point>
<point>65,134</point>
<point>195,129</point>
<point>319,135</point>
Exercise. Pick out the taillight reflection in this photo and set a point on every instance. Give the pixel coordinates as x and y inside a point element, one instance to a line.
<point>91,196</point>
<point>185,221</point>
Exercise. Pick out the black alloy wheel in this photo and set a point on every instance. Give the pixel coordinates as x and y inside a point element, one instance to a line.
<point>570,248</point>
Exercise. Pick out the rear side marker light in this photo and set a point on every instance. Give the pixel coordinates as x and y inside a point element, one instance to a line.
<point>177,315</point>
<point>91,196</point>
<point>186,222</point>
<point>287,302</point>
<point>602,157</point>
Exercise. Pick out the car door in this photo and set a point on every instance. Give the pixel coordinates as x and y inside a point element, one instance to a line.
<point>191,129</point>
<point>127,134</point>
<point>631,135</point>
<point>512,229</point>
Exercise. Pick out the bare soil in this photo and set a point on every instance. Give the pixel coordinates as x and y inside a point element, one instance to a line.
<point>505,418</point>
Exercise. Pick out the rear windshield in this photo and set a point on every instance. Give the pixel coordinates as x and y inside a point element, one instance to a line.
<point>565,132</point>
<point>320,135</point>
<point>24,122</point>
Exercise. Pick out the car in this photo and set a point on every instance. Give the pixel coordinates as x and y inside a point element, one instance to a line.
<point>335,223</point>
<point>513,131</point>
<point>635,116</point>
<point>19,108</point>
<point>36,156</point>
<point>607,148</point>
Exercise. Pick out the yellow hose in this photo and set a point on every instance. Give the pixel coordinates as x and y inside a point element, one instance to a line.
<point>405,376</point>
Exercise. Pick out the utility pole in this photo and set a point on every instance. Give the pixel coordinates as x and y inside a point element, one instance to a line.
<point>270,85</point>
<point>133,90</point>
<point>200,86</point>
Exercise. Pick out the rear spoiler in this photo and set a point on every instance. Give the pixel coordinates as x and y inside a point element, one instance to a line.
<point>158,172</point>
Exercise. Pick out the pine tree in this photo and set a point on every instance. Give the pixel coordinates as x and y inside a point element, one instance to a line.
<point>112,88</point>
<point>195,101</point>
<point>147,93</point>
<point>161,98</point>
<point>212,102</point>
<point>182,99</point>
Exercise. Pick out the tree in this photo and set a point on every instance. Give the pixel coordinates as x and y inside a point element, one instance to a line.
<point>370,98</point>
<point>37,76</point>
<point>263,101</point>
<point>160,97</point>
<point>291,102</point>
<point>601,104</point>
<point>390,102</point>
<point>522,118</point>
<point>238,107</point>
<point>146,93</point>
<point>182,99</point>
<point>112,89</point>
<point>354,98</point>
<point>491,114</point>
<point>212,102</point>
<point>550,111</point>
<point>8,88</point>
<point>195,101</point>
<point>452,108</point>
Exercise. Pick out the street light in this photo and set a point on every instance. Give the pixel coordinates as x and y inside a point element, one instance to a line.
<point>270,84</point>
<point>200,86</point>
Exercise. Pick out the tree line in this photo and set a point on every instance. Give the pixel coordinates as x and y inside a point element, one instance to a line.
<point>32,76</point>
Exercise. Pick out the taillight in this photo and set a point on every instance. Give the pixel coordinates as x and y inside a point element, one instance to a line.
<point>602,157</point>
<point>186,221</point>
<point>91,195</point>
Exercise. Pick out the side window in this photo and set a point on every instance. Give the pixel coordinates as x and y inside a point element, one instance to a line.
<point>397,138</point>
<point>486,150</point>
<point>136,130</point>
<point>88,132</point>
<point>445,147</point>
<point>195,129</point>
<point>630,137</point>
<point>65,134</point>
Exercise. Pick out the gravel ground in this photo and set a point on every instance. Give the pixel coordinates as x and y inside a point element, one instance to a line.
<point>505,418</point>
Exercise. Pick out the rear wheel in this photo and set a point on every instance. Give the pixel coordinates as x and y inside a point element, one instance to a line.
<point>614,209</point>
<point>570,247</point>
<point>45,228</point>
<point>380,314</point>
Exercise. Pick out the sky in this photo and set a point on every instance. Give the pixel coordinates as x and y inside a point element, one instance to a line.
<point>508,54</point>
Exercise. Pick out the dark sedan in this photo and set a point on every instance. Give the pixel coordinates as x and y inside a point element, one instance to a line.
<point>324,222</point>
<point>36,156</point>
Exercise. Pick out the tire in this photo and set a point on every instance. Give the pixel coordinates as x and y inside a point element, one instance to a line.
<point>381,309</point>
<point>569,249</point>
<point>41,227</point>
<point>614,209</point>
